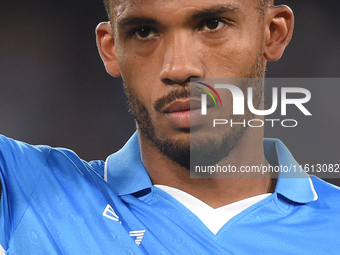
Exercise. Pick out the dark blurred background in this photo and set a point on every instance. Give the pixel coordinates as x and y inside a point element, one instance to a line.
<point>54,88</point>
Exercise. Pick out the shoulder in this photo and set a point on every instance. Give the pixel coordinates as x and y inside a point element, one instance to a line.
<point>16,155</point>
<point>13,147</point>
<point>42,185</point>
<point>19,158</point>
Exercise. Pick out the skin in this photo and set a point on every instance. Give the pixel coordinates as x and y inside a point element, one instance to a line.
<point>179,41</point>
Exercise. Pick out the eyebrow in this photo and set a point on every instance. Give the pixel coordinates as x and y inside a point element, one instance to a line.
<point>133,21</point>
<point>215,10</point>
<point>208,12</point>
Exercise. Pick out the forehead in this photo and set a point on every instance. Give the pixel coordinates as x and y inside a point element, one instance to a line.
<point>172,7</point>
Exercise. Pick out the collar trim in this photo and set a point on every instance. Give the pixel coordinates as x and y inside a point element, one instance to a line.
<point>294,184</point>
<point>126,174</point>
<point>105,169</point>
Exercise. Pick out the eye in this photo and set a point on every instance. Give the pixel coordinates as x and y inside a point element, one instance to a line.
<point>212,24</point>
<point>144,33</point>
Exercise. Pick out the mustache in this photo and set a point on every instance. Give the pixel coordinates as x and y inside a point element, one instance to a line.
<point>177,94</point>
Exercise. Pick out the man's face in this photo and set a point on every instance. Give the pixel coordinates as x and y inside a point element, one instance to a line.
<point>161,44</point>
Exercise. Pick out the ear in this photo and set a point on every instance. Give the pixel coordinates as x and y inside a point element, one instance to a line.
<point>106,48</point>
<point>279,24</point>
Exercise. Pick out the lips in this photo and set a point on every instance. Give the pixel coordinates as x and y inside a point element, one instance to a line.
<point>183,113</point>
<point>183,106</point>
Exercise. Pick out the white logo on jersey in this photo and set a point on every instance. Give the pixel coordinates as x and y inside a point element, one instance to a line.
<point>139,236</point>
<point>110,213</point>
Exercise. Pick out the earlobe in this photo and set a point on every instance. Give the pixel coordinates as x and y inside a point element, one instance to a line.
<point>279,23</point>
<point>106,48</point>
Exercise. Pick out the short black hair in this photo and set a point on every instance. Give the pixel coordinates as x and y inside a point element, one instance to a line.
<point>109,6</point>
<point>263,4</point>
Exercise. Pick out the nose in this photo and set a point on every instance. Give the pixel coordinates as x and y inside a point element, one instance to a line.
<point>181,60</point>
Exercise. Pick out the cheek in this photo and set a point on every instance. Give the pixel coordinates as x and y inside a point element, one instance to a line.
<point>137,71</point>
<point>233,55</point>
<point>136,59</point>
<point>141,76</point>
<point>138,81</point>
<point>230,61</point>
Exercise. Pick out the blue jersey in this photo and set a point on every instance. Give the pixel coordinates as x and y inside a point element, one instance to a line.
<point>53,202</point>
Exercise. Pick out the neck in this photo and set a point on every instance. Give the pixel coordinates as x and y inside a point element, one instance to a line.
<point>215,192</point>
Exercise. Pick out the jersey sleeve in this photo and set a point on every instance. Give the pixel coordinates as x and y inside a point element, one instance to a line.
<point>21,166</point>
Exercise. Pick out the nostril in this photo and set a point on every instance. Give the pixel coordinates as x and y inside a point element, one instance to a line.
<point>185,82</point>
<point>168,81</point>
